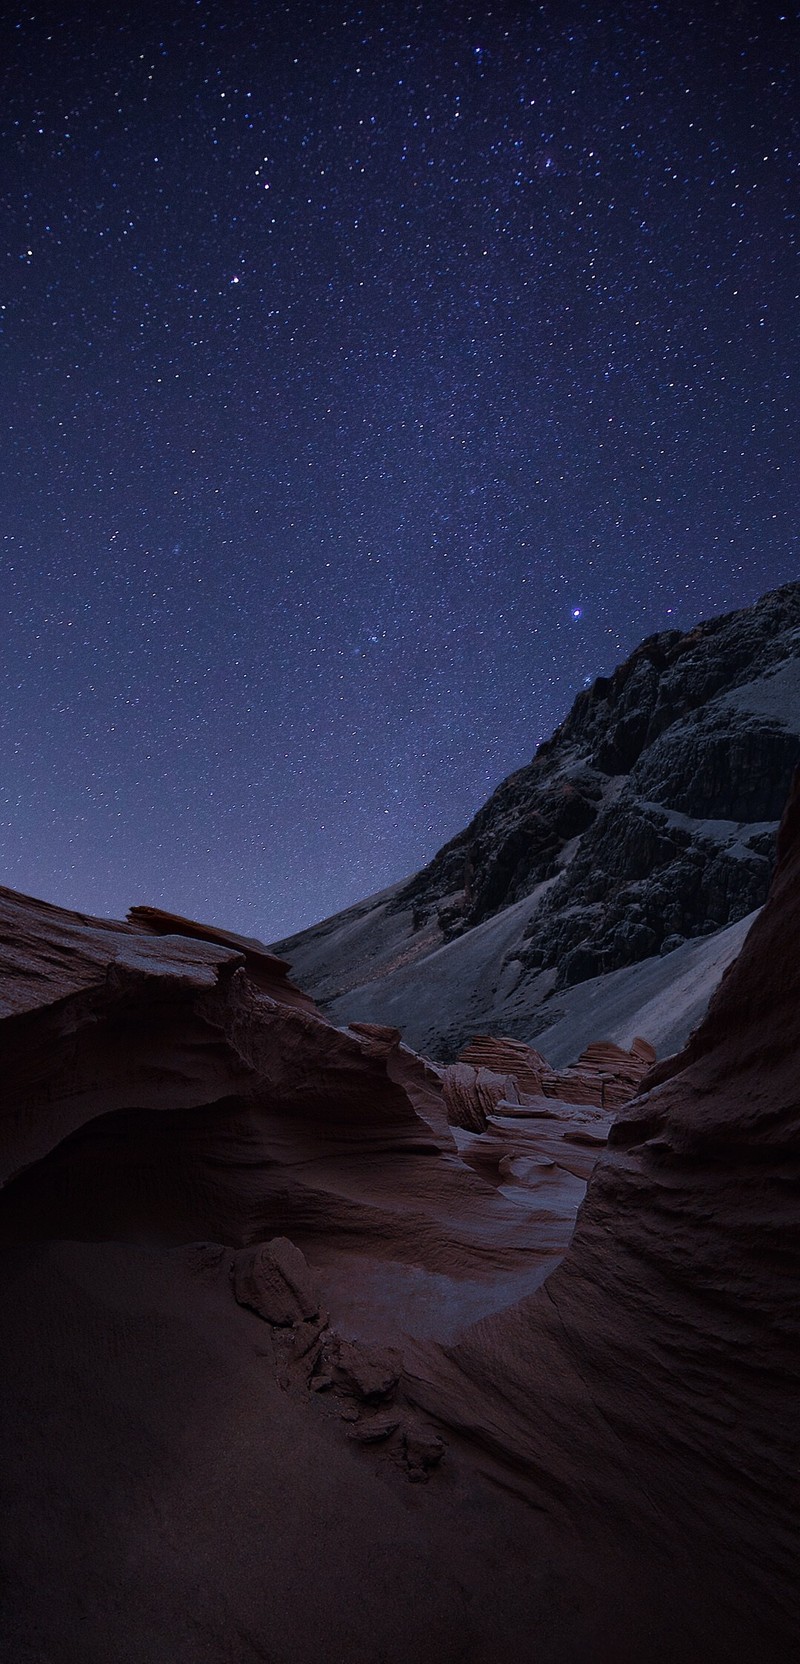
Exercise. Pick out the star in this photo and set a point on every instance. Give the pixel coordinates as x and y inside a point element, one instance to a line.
<point>477,368</point>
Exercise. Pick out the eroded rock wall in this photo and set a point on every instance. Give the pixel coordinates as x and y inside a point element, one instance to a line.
<point>650,1388</point>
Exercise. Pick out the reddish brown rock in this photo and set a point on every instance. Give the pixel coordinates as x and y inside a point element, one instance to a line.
<point>376,1430</point>
<point>366,1372</point>
<point>540,1145</point>
<point>422,1450</point>
<point>471,1095</point>
<point>265,970</point>
<point>604,1074</point>
<point>507,1057</point>
<point>274,1279</point>
<point>47,953</point>
<point>153,1094</point>
<point>619,1481</point>
<point>419,1078</point>
<point>650,1388</point>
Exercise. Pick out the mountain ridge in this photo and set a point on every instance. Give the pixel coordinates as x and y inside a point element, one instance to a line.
<point>647,820</point>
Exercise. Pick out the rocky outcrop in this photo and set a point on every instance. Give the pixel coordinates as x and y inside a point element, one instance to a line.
<point>264,970</point>
<point>652,1384</point>
<point>647,821</point>
<point>472,1095</point>
<point>512,1057</point>
<point>604,1074</point>
<point>155,1092</point>
<point>283,1374</point>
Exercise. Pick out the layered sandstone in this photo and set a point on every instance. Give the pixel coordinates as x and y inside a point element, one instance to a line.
<point>286,1375</point>
<point>165,1082</point>
<point>650,1388</point>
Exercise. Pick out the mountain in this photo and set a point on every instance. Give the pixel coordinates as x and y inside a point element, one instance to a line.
<point>307,1354</point>
<point>630,848</point>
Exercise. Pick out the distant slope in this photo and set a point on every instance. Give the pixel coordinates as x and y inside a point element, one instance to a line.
<point>455,994</point>
<point>647,821</point>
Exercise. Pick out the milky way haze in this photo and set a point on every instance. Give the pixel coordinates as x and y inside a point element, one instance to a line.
<point>373,378</point>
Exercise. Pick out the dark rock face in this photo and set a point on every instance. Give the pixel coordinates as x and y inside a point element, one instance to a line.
<point>273,1279</point>
<point>719,765</point>
<point>642,880</point>
<point>511,846</point>
<point>662,721</point>
<point>652,811</point>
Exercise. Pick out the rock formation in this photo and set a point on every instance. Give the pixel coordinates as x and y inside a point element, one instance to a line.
<point>604,1074</point>
<point>671,1327</point>
<point>284,1378</point>
<point>155,1091</point>
<point>644,826</point>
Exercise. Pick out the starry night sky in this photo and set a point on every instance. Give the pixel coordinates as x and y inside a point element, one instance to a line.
<point>373,377</point>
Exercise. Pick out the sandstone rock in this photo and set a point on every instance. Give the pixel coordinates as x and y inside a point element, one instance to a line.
<point>48,953</point>
<point>655,1375</point>
<point>264,969</point>
<point>153,1095</point>
<point>274,1279</point>
<point>620,1473</point>
<point>368,1373</point>
<point>380,1040</point>
<point>422,1451</point>
<point>376,1430</point>
<point>506,1057</point>
<point>472,1094</point>
<point>604,1075</point>
<point>420,1079</point>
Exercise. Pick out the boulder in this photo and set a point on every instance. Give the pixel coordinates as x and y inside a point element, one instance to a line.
<point>274,1279</point>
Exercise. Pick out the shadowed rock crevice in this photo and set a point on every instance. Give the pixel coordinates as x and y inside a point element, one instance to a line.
<point>219,1171</point>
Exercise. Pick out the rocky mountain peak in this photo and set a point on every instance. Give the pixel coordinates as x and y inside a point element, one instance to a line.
<point>516,840</point>
<point>646,821</point>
